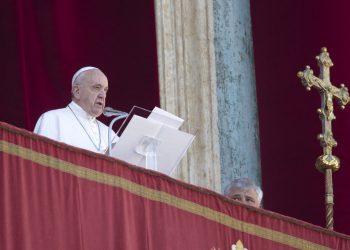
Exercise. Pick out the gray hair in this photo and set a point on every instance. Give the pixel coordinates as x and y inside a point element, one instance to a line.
<point>244,183</point>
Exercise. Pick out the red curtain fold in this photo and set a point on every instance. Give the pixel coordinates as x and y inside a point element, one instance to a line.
<point>43,43</point>
<point>54,196</point>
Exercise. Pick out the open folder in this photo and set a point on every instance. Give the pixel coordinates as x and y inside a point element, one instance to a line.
<point>160,129</point>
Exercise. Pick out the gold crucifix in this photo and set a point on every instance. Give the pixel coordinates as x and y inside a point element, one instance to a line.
<point>326,163</point>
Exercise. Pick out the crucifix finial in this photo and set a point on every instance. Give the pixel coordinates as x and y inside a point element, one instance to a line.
<point>326,163</point>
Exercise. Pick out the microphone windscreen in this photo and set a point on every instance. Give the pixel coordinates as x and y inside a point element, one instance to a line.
<point>108,111</point>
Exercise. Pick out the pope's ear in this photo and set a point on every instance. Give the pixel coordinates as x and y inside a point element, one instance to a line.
<point>76,91</point>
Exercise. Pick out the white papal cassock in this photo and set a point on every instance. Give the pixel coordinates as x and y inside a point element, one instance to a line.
<point>74,126</point>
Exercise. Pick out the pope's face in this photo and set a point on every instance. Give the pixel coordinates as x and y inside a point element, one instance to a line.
<point>90,92</point>
<point>246,196</point>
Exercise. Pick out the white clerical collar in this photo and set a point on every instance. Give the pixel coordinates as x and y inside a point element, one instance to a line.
<point>81,112</point>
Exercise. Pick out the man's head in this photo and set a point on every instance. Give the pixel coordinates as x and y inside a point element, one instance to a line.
<point>245,191</point>
<point>89,90</point>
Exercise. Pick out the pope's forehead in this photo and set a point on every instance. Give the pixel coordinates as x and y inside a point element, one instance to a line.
<point>93,76</point>
<point>93,73</point>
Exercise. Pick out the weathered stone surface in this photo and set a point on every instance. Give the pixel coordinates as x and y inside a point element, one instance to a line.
<point>188,85</point>
<point>236,91</point>
<point>207,78</point>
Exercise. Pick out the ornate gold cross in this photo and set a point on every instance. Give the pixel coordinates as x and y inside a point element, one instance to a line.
<point>326,163</point>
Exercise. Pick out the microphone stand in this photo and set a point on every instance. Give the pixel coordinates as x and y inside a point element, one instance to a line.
<point>119,115</point>
<point>110,129</point>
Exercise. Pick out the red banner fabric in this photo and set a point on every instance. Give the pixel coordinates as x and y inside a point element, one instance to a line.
<point>54,196</point>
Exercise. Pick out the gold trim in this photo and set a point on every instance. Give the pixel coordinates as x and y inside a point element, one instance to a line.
<point>151,194</point>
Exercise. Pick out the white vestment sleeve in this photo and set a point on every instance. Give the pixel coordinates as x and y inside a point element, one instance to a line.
<point>47,126</point>
<point>38,125</point>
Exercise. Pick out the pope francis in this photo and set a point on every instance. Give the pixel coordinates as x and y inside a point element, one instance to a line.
<point>76,124</point>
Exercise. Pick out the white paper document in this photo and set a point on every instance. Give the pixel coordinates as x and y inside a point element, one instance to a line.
<point>171,144</point>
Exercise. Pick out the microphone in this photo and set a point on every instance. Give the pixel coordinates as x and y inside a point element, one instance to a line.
<point>108,112</point>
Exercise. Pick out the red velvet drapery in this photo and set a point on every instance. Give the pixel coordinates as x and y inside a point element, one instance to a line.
<point>44,42</point>
<point>53,196</point>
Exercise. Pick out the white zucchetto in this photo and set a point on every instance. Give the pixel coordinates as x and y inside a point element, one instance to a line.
<point>81,71</point>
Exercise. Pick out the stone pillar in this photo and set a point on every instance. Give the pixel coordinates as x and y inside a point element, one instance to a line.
<point>187,78</point>
<point>236,91</point>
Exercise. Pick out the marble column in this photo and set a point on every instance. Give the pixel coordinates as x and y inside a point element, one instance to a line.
<point>206,75</point>
<point>236,91</point>
<point>187,78</point>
